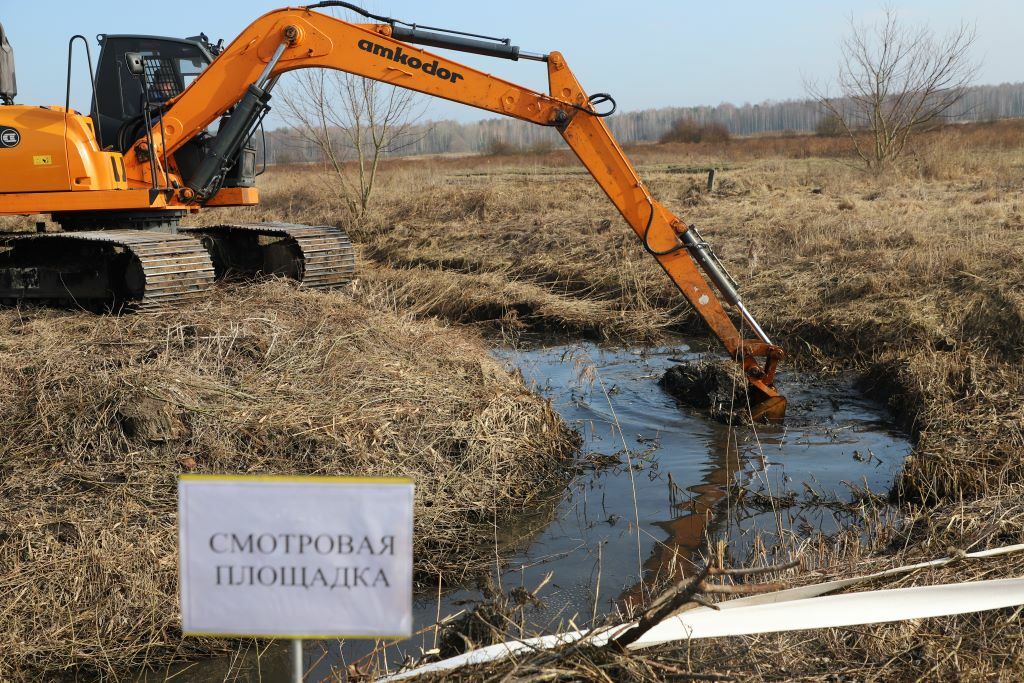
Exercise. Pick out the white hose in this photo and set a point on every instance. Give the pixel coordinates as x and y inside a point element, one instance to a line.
<point>793,609</point>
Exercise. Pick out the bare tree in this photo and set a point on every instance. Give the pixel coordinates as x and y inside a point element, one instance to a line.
<point>354,122</point>
<point>894,81</point>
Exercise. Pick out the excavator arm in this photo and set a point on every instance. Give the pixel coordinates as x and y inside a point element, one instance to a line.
<point>300,38</point>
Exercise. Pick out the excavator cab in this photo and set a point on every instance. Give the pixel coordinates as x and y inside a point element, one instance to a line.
<point>169,66</point>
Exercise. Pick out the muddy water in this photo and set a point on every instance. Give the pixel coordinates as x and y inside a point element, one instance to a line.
<point>796,478</point>
<point>682,477</point>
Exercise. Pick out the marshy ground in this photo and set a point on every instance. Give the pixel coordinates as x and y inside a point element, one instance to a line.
<point>911,281</point>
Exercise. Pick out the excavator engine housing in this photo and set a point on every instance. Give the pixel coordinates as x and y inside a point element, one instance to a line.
<point>45,149</point>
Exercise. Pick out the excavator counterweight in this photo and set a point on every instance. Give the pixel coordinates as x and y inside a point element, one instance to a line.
<point>120,179</point>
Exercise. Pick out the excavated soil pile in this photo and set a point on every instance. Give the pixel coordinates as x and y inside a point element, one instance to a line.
<point>102,413</point>
<point>716,388</point>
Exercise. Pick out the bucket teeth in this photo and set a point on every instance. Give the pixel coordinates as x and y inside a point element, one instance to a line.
<point>319,257</point>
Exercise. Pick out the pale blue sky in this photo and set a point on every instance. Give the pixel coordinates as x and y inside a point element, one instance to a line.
<point>646,53</point>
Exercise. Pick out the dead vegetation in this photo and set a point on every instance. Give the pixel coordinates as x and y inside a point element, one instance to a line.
<point>103,413</point>
<point>913,280</point>
<point>987,646</point>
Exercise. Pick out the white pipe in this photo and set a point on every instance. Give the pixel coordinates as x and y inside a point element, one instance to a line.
<point>793,609</point>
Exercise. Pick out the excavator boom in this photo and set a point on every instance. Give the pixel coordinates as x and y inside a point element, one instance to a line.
<point>240,80</point>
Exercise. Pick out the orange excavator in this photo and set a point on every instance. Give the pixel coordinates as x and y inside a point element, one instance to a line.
<point>119,180</point>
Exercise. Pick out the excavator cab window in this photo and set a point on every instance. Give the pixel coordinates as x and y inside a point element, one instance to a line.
<point>161,78</point>
<point>171,65</point>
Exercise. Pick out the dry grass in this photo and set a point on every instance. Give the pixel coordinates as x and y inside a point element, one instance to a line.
<point>914,280</point>
<point>104,412</point>
<point>503,303</point>
<point>987,646</point>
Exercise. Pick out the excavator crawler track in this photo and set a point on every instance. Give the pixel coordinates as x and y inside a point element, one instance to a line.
<point>319,257</point>
<point>104,269</point>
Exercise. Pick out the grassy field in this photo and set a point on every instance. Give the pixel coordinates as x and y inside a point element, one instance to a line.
<point>913,280</point>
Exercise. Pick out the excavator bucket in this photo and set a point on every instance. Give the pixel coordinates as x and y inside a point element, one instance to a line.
<point>771,409</point>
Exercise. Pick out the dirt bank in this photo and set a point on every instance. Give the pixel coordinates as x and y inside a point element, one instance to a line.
<point>101,414</point>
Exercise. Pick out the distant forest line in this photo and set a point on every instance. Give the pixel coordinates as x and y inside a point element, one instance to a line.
<point>986,102</point>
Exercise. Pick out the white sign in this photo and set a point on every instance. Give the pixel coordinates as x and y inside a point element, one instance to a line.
<point>295,557</point>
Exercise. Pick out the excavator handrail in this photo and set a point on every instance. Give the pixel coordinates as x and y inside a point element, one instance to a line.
<point>298,38</point>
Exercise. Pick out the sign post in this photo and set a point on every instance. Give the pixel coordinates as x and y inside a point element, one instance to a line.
<point>295,557</point>
<point>297,668</point>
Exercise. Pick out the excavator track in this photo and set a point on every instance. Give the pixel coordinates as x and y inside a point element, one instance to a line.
<point>104,269</point>
<point>319,257</point>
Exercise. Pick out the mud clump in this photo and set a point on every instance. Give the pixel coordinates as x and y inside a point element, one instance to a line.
<point>716,388</point>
